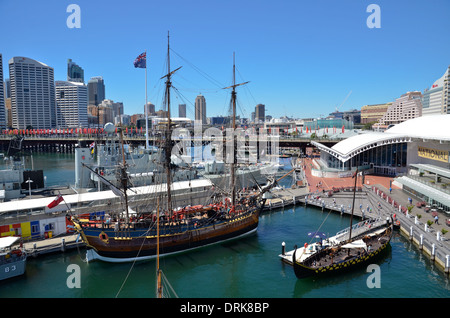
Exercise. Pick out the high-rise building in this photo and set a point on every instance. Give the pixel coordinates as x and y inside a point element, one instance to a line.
<point>116,107</point>
<point>436,100</point>
<point>32,94</point>
<point>260,113</point>
<point>3,123</point>
<point>407,106</point>
<point>150,109</point>
<point>71,104</point>
<point>200,109</point>
<point>7,88</point>
<point>96,90</point>
<point>74,72</point>
<point>372,113</point>
<point>182,110</point>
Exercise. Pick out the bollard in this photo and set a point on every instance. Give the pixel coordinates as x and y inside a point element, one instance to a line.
<point>416,220</point>
<point>426,227</point>
<point>421,241</point>
<point>438,236</point>
<point>433,251</point>
<point>447,263</point>
<point>411,233</point>
<point>293,199</point>
<point>63,245</point>
<point>283,248</point>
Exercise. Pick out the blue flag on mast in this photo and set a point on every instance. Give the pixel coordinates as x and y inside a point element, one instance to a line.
<point>141,61</point>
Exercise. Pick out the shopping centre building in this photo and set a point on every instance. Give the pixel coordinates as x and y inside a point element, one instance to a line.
<point>415,153</point>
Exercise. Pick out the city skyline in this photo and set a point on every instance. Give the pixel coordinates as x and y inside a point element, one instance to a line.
<point>302,59</point>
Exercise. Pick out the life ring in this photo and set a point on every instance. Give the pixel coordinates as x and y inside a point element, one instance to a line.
<point>306,245</point>
<point>104,237</point>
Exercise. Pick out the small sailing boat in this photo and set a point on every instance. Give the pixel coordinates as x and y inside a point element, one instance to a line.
<point>129,235</point>
<point>370,243</point>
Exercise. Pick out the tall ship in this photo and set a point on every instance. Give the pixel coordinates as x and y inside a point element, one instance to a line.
<point>160,227</point>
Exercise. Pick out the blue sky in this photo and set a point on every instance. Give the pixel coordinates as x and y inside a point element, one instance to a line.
<point>302,58</point>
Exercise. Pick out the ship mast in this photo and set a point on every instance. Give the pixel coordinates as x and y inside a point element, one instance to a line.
<point>123,176</point>
<point>168,132</point>
<point>353,206</point>
<point>233,162</point>
<point>167,153</point>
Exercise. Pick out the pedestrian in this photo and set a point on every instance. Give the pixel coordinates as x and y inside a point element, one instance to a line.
<point>390,190</point>
<point>436,219</point>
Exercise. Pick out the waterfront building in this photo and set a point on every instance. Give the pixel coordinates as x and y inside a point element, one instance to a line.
<point>373,113</point>
<point>353,116</point>
<point>3,123</point>
<point>319,123</point>
<point>33,101</point>
<point>182,110</point>
<point>436,100</point>
<point>407,106</point>
<point>71,104</point>
<point>74,72</point>
<point>422,140</point>
<point>200,109</point>
<point>96,90</point>
<point>260,112</point>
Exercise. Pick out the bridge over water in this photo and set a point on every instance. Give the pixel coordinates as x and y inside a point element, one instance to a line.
<point>67,143</point>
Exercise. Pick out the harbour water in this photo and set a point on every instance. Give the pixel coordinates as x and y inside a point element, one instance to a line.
<point>245,268</point>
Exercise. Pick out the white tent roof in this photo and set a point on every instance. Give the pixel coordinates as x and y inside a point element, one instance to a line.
<point>432,127</point>
<point>8,241</point>
<point>436,127</point>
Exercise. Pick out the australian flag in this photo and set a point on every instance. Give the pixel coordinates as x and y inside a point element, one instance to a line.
<point>141,61</point>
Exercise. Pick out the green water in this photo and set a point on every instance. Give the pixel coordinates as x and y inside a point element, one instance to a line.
<point>247,268</point>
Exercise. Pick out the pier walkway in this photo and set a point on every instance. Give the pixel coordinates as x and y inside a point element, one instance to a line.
<point>53,245</point>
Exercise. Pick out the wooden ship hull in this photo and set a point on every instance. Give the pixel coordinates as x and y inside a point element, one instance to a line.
<point>139,243</point>
<point>337,260</point>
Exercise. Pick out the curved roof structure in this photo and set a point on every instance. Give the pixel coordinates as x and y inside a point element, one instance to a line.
<point>433,127</point>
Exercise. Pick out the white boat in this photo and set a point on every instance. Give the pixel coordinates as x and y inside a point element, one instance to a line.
<point>13,261</point>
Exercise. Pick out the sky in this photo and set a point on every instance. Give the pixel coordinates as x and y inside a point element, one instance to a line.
<point>302,58</point>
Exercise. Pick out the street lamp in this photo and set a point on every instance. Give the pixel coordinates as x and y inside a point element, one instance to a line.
<point>29,181</point>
